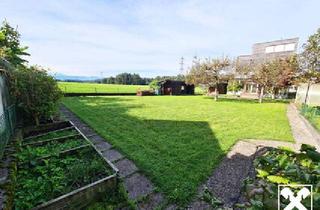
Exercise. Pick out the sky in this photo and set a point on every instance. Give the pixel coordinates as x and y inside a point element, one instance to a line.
<point>102,37</point>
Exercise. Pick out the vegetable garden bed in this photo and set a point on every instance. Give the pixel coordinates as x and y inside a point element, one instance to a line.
<point>60,169</point>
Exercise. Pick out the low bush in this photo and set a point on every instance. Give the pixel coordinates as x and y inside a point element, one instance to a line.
<point>283,166</point>
<point>312,114</point>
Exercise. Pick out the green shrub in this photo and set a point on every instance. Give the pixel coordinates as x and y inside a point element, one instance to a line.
<point>36,93</point>
<point>283,166</point>
<point>312,114</point>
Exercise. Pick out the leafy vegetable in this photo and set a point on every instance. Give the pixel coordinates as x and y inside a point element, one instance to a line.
<point>283,166</point>
<point>53,177</point>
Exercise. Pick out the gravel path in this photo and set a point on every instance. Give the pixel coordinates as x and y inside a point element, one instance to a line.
<point>226,180</point>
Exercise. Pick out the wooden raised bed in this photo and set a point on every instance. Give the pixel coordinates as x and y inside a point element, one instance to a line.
<point>84,195</point>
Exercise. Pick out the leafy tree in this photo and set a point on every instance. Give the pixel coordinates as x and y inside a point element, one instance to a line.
<point>234,86</point>
<point>10,47</point>
<point>111,80</point>
<point>35,92</point>
<point>310,58</point>
<point>136,79</point>
<point>208,72</point>
<point>272,75</point>
<point>154,84</point>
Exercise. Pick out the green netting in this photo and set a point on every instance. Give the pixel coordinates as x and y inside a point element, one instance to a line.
<point>7,126</point>
<point>7,110</point>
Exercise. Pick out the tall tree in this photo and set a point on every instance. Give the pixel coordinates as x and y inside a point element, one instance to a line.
<point>10,47</point>
<point>208,73</point>
<point>310,58</point>
<point>271,75</point>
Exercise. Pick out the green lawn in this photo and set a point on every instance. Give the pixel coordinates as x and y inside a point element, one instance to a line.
<point>80,87</point>
<point>178,140</point>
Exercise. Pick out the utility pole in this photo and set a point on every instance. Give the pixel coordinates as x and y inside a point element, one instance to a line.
<point>101,74</point>
<point>182,66</point>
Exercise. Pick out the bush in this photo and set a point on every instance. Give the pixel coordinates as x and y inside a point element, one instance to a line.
<point>312,114</point>
<point>234,86</point>
<point>36,93</point>
<point>283,166</point>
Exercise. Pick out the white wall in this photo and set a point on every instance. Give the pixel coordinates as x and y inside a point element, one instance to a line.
<point>313,95</point>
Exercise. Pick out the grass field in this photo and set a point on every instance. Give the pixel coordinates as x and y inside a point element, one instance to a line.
<point>178,140</point>
<point>80,87</point>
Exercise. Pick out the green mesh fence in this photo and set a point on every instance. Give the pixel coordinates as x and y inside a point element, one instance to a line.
<point>7,110</point>
<point>7,127</point>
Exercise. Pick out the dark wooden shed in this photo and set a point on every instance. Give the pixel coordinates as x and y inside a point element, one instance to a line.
<point>174,87</point>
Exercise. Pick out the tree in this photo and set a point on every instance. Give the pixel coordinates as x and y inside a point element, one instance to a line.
<point>35,92</point>
<point>310,61</point>
<point>10,47</point>
<point>234,86</point>
<point>208,72</point>
<point>154,84</point>
<point>310,58</point>
<point>271,75</point>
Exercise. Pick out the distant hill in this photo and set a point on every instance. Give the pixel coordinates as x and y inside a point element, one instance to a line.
<point>64,77</point>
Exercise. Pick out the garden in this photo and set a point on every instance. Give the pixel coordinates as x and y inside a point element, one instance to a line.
<point>175,141</point>
<point>52,165</point>
<point>178,140</point>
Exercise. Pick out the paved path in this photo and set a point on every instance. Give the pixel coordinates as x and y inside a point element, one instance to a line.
<point>302,131</point>
<point>226,180</point>
<point>139,187</point>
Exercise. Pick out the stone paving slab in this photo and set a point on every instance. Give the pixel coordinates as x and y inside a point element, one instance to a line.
<point>103,146</point>
<point>87,131</point>
<point>138,186</point>
<point>153,201</point>
<point>112,155</point>
<point>126,167</point>
<point>96,139</point>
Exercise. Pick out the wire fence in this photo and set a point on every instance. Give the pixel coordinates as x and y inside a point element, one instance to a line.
<point>7,109</point>
<point>7,127</point>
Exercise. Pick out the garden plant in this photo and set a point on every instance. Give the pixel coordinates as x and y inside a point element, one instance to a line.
<point>283,166</point>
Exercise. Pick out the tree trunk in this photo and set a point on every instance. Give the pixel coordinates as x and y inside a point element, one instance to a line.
<point>36,120</point>
<point>307,92</point>
<point>272,93</point>
<point>261,94</point>
<point>216,93</point>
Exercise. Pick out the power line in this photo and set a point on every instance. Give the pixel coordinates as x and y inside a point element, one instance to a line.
<point>182,65</point>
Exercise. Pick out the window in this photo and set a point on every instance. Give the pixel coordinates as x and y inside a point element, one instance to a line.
<point>269,49</point>
<point>279,48</point>
<point>289,47</point>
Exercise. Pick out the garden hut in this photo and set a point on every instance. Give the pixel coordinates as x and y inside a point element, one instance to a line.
<point>175,87</point>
